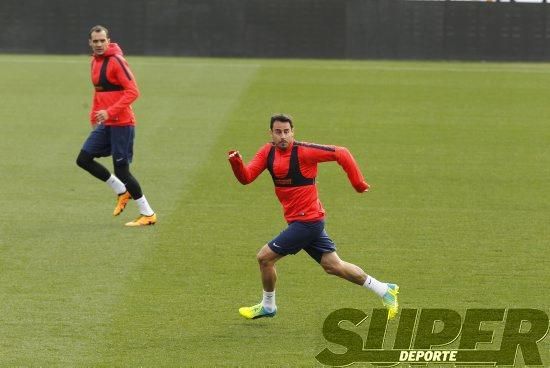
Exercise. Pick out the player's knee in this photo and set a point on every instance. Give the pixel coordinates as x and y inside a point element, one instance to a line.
<point>263,259</point>
<point>333,268</point>
<point>123,173</point>
<point>84,159</point>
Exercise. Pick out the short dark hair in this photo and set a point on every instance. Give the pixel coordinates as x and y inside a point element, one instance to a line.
<point>285,118</point>
<point>98,28</point>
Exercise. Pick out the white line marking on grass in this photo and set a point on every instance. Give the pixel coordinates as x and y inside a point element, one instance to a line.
<point>133,62</point>
<point>427,68</point>
<point>315,65</point>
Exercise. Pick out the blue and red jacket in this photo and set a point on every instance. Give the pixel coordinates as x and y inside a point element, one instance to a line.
<point>293,171</point>
<point>115,87</point>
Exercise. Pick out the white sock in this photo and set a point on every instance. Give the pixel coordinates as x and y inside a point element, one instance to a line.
<point>115,183</point>
<point>378,287</point>
<point>268,301</point>
<point>144,207</point>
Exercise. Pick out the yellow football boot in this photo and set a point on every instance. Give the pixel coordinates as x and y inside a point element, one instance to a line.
<point>121,203</point>
<point>256,311</point>
<point>143,220</point>
<point>390,300</point>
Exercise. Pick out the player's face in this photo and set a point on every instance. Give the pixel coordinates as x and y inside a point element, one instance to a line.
<point>282,134</point>
<point>99,42</point>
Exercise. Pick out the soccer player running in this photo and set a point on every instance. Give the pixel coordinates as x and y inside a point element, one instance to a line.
<point>293,168</point>
<point>113,125</point>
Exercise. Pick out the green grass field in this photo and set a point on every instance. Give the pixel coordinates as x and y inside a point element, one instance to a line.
<point>458,156</point>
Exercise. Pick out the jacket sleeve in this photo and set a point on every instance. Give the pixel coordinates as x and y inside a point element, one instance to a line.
<point>126,79</point>
<point>345,159</point>
<point>246,174</point>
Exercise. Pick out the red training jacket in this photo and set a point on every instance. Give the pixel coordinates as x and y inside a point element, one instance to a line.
<point>300,203</point>
<point>115,87</point>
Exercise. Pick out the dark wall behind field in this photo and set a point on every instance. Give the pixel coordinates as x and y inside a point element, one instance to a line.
<point>373,29</point>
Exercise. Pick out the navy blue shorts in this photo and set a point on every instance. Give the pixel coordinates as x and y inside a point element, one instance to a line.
<point>116,141</point>
<point>309,236</point>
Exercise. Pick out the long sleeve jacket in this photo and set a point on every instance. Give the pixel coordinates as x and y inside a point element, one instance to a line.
<point>293,171</point>
<point>115,87</point>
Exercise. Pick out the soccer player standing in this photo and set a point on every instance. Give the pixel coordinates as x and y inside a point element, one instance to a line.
<point>293,168</point>
<point>113,124</point>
